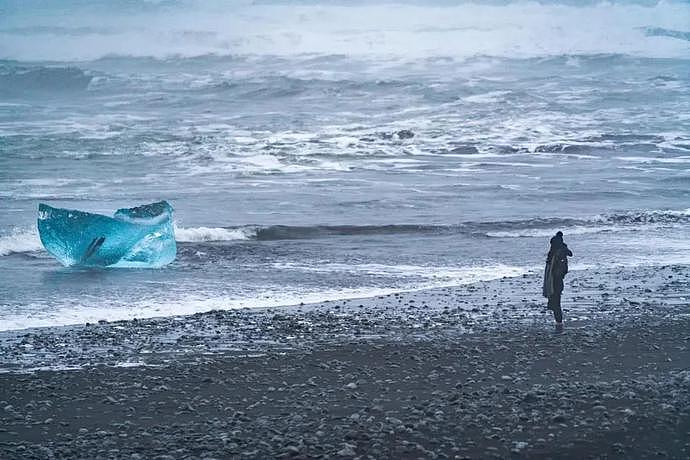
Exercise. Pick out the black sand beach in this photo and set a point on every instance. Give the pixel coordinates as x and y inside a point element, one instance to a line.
<point>417,375</point>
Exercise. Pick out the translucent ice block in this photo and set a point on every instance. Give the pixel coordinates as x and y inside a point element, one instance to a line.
<point>136,237</point>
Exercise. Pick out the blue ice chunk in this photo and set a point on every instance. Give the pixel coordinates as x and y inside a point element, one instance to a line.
<point>137,237</point>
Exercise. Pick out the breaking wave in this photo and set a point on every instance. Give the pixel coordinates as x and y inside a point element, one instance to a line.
<point>203,234</point>
<point>505,229</point>
<point>20,241</point>
<point>14,79</point>
<point>649,217</point>
<point>28,241</point>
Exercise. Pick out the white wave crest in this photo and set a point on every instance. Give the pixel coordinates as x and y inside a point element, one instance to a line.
<point>487,98</point>
<point>27,240</point>
<point>20,241</point>
<point>200,234</point>
<point>650,216</point>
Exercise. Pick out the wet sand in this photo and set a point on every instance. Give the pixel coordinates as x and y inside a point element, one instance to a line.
<point>468,372</point>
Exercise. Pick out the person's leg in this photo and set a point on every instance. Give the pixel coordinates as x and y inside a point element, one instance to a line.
<point>557,312</point>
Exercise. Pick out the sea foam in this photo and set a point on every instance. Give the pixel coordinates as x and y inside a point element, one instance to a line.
<point>20,241</point>
<point>125,309</point>
<point>202,234</point>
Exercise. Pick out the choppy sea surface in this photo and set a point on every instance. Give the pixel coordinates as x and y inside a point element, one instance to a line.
<point>326,150</point>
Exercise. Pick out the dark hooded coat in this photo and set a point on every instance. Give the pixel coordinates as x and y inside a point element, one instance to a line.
<point>556,267</point>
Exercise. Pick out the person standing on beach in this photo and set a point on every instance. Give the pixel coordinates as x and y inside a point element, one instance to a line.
<point>555,271</point>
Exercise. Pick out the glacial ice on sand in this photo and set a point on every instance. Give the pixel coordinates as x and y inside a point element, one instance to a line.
<point>137,237</point>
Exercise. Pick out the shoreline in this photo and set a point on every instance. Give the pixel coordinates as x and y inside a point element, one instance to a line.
<point>126,317</point>
<point>504,303</point>
<point>590,296</point>
<point>476,371</point>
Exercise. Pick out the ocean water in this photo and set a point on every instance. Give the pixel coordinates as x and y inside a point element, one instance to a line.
<point>329,150</point>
